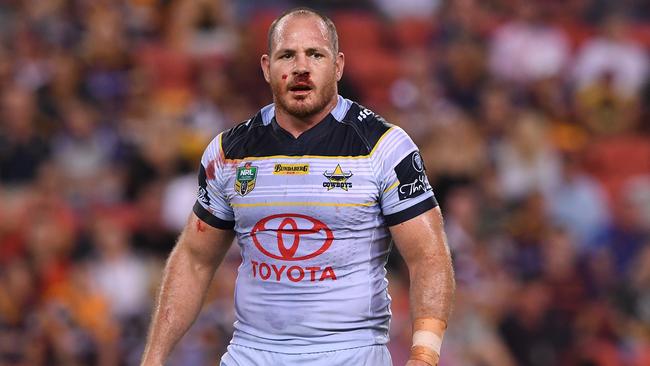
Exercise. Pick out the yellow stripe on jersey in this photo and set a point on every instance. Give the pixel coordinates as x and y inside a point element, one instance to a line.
<point>391,187</point>
<point>381,138</point>
<point>329,204</point>
<point>298,157</point>
<point>221,153</point>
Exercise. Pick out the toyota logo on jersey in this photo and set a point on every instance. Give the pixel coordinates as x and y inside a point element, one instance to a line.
<point>291,237</point>
<point>294,237</point>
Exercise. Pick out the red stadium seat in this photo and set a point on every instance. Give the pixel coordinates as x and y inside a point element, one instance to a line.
<point>358,30</point>
<point>641,33</point>
<point>372,68</point>
<point>614,161</point>
<point>413,32</point>
<point>258,27</point>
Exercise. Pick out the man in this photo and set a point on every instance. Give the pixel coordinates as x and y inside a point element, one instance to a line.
<point>314,187</point>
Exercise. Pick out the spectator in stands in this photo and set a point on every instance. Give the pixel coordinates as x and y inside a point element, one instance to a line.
<point>578,203</point>
<point>22,148</point>
<point>526,161</point>
<point>615,54</point>
<point>528,48</point>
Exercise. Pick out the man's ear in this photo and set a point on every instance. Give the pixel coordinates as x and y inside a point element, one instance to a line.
<point>265,63</point>
<point>340,63</point>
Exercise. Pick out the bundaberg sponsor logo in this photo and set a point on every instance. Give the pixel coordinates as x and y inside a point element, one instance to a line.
<point>290,169</point>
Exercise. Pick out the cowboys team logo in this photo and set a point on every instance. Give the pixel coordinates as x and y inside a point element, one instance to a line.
<point>337,179</point>
<point>245,179</point>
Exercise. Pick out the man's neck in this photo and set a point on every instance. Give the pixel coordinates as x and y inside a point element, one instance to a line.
<point>296,126</point>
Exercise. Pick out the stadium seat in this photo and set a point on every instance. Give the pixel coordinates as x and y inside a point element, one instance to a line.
<point>613,161</point>
<point>358,30</point>
<point>258,27</point>
<point>410,33</point>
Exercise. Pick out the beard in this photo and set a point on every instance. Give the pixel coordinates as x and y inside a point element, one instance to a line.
<point>311,105</point>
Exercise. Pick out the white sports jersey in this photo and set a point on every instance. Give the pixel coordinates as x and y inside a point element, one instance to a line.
<point>311,216</point>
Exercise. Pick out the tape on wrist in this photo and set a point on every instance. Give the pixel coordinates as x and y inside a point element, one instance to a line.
<point>427,340</point>
<point>425,355</point>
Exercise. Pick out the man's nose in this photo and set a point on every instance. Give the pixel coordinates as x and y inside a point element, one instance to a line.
<point>301,66</point>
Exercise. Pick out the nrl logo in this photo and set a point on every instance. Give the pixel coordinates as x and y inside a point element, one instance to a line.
<point>337,179</point>
<point>245,179</point>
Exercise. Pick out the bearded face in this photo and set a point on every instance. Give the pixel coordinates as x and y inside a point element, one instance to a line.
<point>302,68</point>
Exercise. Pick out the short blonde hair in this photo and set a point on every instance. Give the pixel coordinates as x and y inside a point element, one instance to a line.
<point>302,11</point>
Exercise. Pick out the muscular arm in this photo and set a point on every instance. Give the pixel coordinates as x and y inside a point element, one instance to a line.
<point>422,243</point>
<point>188,272</point>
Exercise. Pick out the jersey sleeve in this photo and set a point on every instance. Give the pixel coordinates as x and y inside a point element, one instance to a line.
<point>211,204</point>
<point>405,191</point>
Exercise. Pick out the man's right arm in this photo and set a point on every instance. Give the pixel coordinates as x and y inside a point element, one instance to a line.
<point>188,272</point>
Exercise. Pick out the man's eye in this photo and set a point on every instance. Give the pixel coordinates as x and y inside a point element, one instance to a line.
<point>317,55</point>
<point>286,56</point>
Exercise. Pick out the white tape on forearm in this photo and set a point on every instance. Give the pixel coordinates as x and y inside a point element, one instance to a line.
<point>427,339</point>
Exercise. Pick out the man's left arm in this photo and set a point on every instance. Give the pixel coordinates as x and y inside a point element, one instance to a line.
<point>422,243</point>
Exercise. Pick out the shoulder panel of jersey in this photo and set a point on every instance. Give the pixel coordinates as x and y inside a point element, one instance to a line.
<point>401,173</point>
<point>349,130</point>
<point>369,126</point>
<point>211,203</point>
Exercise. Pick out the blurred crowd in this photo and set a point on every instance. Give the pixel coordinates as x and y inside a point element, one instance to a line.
<point>533,118</point>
